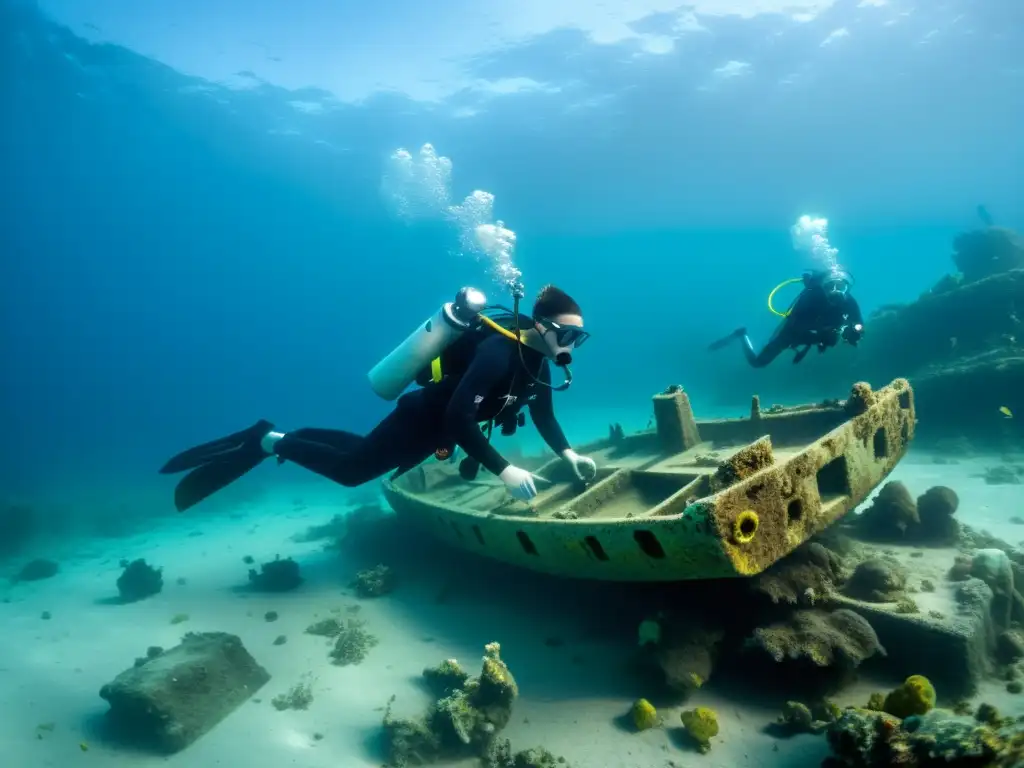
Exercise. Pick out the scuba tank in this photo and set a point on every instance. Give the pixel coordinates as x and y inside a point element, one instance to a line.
<point>390,377</point>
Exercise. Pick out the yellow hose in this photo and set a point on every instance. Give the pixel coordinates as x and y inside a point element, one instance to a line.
<point>496,327</point>
<point>775,290</point>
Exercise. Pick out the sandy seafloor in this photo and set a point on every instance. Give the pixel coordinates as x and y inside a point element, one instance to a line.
<point>571,694</point>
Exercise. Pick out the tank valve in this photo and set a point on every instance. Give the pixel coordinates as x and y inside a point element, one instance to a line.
<point>469,302</point>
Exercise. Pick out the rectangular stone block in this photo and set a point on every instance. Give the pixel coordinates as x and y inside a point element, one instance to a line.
<point>172,698</point>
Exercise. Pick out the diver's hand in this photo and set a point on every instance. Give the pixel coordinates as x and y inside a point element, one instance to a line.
<point>583,467</point>
<point>829,337</point>
<point>520,483</point>
<point>853,333</point>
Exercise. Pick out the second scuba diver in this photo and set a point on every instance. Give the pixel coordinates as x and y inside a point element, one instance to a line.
<point>823,314</point>
<point>472,371</point>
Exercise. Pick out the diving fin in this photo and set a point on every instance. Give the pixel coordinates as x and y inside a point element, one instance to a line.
<point>209,478</point>
<point>726,341</point>
<point>218,449</point>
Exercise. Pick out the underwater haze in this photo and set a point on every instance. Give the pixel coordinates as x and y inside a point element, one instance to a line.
<point>214,212</point>
<point>194,234</point>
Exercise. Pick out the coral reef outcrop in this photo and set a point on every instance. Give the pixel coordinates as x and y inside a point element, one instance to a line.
<point>839,639</point>
<point>994,567</point>
<point>352,643</point>
<point>891,514</point>
<point>701,725</point>
<point>687,653</point>
<point>138,581</point>
<point>915,696</point>
<point>643,715</point>
<point>877,580</point>
<point>463,723</point>
<point>374,582</point>
<point>500,755</point>
<point>864,738</point>
<point>276,576</point>
<point>895,516</point>
<point>811,571</point>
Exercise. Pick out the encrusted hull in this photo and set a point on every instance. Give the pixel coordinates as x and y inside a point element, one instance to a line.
<point>685,500</point>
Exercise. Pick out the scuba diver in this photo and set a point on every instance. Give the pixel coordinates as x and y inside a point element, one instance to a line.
<point>821,315</point>
<point>475,364</point>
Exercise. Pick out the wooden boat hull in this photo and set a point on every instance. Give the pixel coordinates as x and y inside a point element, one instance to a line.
<point>686,500</point>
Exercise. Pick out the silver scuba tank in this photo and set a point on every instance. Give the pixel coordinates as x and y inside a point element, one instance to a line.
<point>390,377</point>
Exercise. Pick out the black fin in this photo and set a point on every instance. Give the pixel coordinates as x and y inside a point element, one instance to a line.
<point>727,340</point>
<point>216,449</point>
<point>211,477</point>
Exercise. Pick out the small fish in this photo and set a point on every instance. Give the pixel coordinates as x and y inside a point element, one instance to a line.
<point>1006,411</point>
<point>84,747</point>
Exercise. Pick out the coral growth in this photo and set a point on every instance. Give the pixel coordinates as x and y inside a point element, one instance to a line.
<point>894,515</point>
<point>329,627</point>
<point>353,643</point>
<point>465,722</point>
<point>643,715</point>
<point>863,738</point>
<point>138,581</point>
<point>276,576</point>
<point>994,567</point>
<point>915,696</point>
<point>839,638</point>
<point>701,725</point>
<point>797,717</point>
<point>687,654</point>
<point>374,582</point>
<point>500,755</point>
<point>891,514</point>
<point>877,580</point>
<point>299,696</point>
<point>446,678</point>
<point>935,508</point>
<point>861,398</point>
<point>810,571</point>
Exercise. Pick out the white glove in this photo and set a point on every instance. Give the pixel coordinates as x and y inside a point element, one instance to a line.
<point>520,483</point>
<point>583,467</point>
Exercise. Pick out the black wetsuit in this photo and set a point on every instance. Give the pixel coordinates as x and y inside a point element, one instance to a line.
<point>814,319</point>
<point>438,416</point>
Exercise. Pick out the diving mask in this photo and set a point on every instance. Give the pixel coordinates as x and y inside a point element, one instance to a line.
<point>561,339</point>
<point>835,285</point>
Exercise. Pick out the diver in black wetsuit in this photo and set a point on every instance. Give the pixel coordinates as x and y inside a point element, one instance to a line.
<point>495,377</point>
<point>823,314</point>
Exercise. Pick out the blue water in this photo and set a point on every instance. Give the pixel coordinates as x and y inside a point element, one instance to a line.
<point>182,257</point>
<point>193,233</point>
